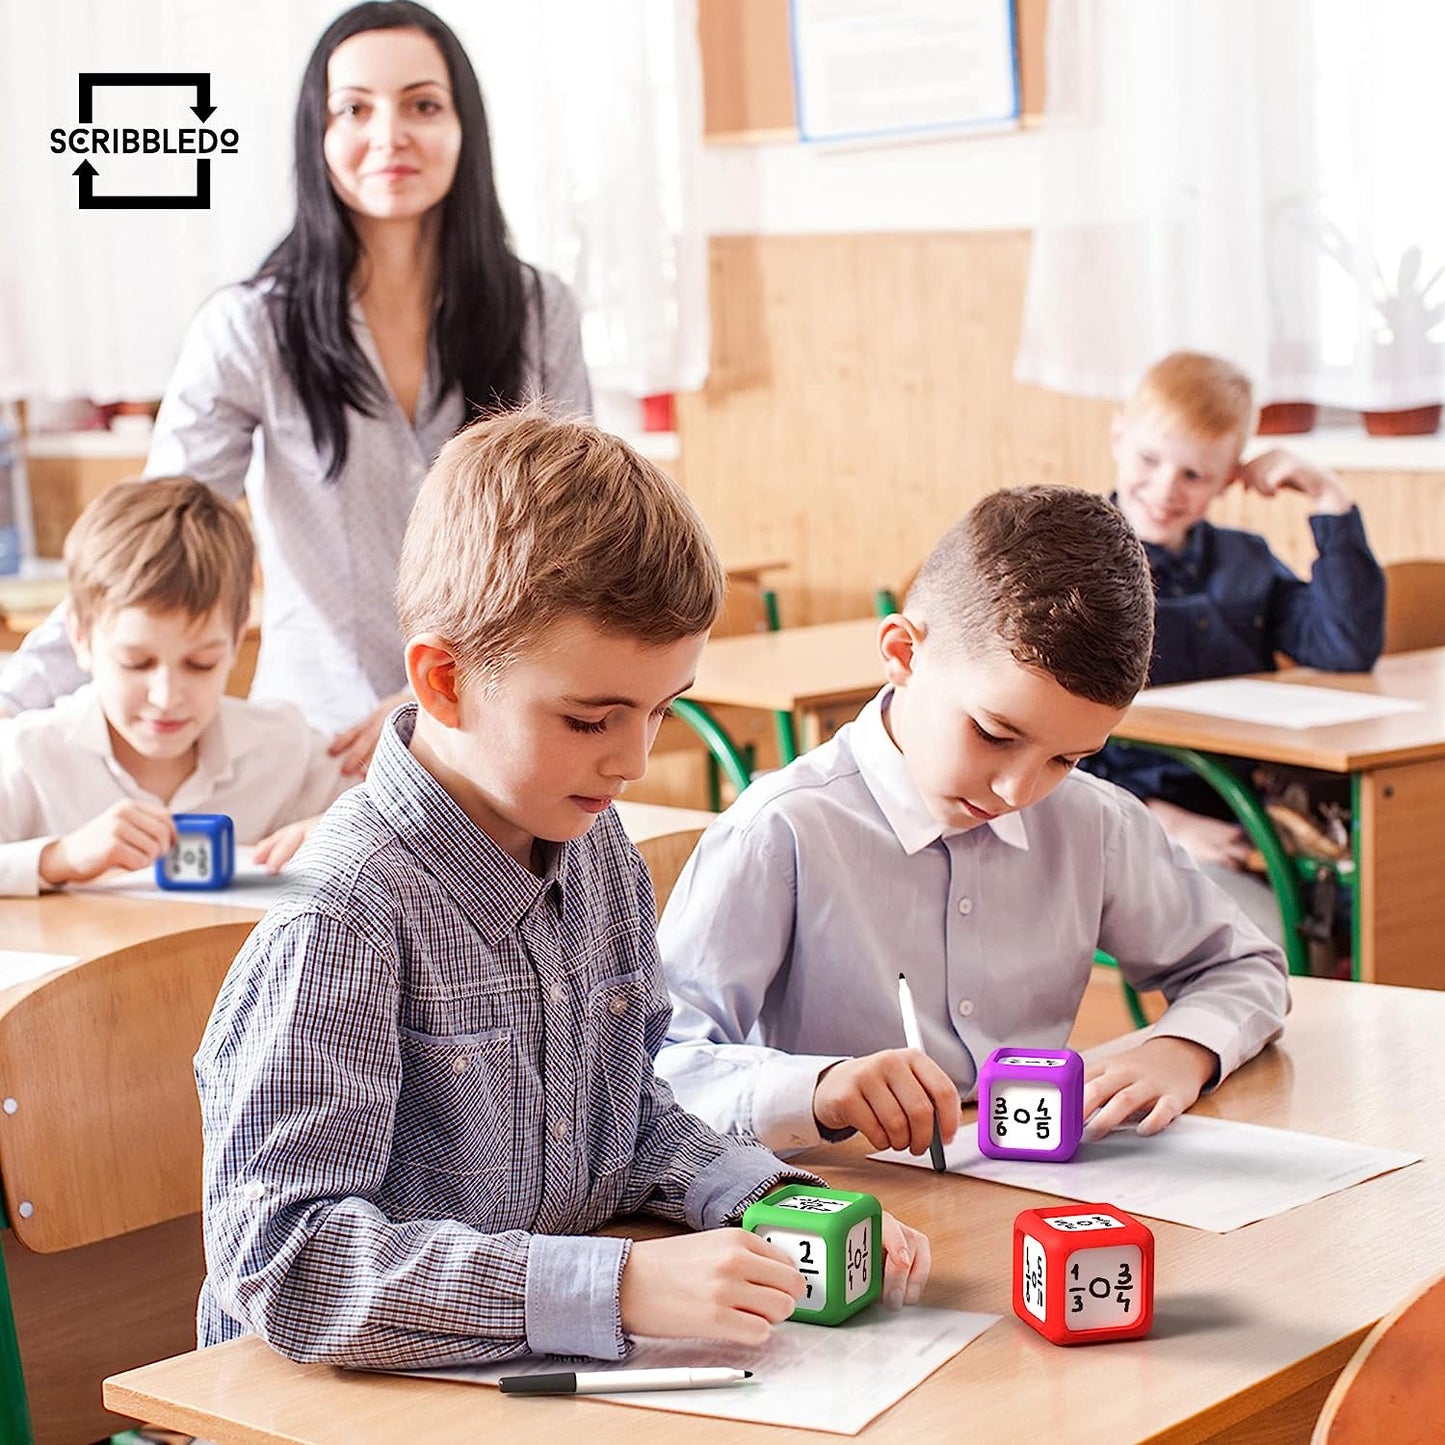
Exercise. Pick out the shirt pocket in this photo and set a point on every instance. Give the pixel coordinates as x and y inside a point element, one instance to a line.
<point>619,1069</point>
<point>456,1120</point>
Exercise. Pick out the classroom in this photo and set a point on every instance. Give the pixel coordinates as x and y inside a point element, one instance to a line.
<point>732,704</point>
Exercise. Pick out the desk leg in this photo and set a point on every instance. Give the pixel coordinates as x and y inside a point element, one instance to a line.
<point>1401,899</point>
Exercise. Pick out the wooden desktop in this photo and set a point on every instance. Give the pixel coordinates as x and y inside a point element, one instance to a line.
<point>1250,1327</point>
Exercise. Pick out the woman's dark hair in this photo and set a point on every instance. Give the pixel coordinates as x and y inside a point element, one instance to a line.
<point>477,330</point>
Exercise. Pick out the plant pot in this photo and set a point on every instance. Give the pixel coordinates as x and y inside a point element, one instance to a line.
<point>1286,418</point>
<point>1415,421</point>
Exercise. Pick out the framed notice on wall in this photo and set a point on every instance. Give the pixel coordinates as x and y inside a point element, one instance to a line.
<point>882,69</point>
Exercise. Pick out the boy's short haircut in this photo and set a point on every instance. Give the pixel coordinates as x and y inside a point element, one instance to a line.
<point>1056,576</point>
<point>524,520</point>
<point>1206,395</point>
<point>169,545</point>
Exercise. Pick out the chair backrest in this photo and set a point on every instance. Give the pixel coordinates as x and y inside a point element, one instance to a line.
<point>665,854</point>
<point>1414,605</point>
<point>1393,1387</point>
<point>100,1128</point>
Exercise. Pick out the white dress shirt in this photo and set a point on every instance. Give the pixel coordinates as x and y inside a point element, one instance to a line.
<point>785,935</point>
<point>259,763</point>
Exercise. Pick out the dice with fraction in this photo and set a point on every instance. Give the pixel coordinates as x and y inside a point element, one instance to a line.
<point>204,855</point>
<point>1083,1273</point>
<point>836,1240</point>
<point>1031,1104</point>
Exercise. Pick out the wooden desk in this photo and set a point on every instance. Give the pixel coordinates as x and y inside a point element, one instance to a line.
<point>1249,1327</point>
<point>1398,766</point>
<point>822,674</point>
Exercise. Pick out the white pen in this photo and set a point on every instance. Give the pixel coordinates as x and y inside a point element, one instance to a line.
<point>604,1382</point>
<point>914,1040</point>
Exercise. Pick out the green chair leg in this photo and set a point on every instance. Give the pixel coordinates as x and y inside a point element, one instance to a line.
<point>1261,832</point>
<point>734,766</point>
<point>782,721</point>
<point>1131,998</point>
<point>885,601</point>
<point>15,1426</point>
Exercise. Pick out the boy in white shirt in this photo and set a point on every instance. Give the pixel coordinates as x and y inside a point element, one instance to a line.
<point>946,835</point>
<point>160,587</point>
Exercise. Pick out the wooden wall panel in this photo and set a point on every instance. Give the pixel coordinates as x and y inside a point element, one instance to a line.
<point>862,396</point>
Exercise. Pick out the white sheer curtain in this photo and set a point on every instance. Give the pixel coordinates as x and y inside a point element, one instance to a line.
<point>1249,177</point>
<point>593,107</point>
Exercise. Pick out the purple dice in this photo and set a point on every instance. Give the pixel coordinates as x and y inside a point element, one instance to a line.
<point>1031,1104</point>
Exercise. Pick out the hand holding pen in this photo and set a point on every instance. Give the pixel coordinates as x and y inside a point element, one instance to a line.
<point>895,1099</point>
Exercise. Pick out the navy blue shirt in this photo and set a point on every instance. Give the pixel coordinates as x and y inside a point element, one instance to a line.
<point>1225,605</point>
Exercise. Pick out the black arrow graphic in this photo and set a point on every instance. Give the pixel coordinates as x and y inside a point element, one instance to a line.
<point>89,201</point>
<point>200,79</point>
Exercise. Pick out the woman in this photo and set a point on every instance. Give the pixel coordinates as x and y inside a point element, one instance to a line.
<point>393,313</point>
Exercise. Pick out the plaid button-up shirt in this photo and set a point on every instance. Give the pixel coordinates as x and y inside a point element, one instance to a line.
<point>427,1075</point>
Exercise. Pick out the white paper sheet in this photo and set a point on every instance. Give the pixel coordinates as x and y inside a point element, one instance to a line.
<point>1280,705</point>
<point>17,967</point>
<point>1210,1174</point>
<point>252,887</point>
<point>807,1376</point>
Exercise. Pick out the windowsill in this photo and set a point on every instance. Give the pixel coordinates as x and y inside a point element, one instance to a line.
<point>1352,449</point>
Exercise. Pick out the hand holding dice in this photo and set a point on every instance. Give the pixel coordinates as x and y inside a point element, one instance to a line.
<point>204,853</point>
<point>1083,1273</point>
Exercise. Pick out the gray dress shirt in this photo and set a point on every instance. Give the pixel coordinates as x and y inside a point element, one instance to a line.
<point>785,935</point>
<point>428,1074</point>
<point>330,641</point>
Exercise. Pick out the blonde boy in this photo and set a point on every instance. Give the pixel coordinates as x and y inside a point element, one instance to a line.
<point>160,585</point>
<point>1225,604</point>
<point>425,1083</point>
<point>946,834</point>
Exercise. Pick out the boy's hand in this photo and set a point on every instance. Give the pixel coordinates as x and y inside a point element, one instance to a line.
<point>890,1098</point>
<point>358,742</point>
<point>723,1284</point>
<point>1276,469</point>
<point>129,834</point>
<point>907,1260</point>
<point>277,849</point>
<point>1205,839</point>
<point>1159,1079</point>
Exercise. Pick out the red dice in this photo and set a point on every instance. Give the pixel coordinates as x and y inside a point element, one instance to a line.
<point>1083,1273</point>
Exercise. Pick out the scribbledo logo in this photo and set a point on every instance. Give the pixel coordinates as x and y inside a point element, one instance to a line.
<point>162,140</point>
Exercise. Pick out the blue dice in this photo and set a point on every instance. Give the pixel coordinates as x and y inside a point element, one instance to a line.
<point>204,855</point>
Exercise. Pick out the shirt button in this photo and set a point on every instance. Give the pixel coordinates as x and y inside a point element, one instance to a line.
<point>965,1007</point>
<point>556,993</point>
<point>253,1190</point>
<point>965,906</point>
<point>459,1064</point>
<point>618,1003</point>
<point>559,1129</point>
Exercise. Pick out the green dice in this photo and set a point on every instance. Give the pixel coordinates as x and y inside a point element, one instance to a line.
<point>836,1240</point>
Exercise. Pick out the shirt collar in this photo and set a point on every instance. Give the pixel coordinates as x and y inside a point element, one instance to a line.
<point>486,882</point>
<point>886,774</point>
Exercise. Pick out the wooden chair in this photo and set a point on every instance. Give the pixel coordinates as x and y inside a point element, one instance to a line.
<point>1414,606</point>
<point>665,855</point>
<point>100,1160</point>
<point>1393,1388</point>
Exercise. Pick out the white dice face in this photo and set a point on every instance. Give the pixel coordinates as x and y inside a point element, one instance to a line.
<point>1024,1116</point>
<point>1075,1222</point>
<point>190,861</point>
<point>858,1261</point>
<point>810,1254</point>
<point>812,1204</point>
<point>1101,1288</point>
<point>1036,1276</point>
<point>1032,1062</point>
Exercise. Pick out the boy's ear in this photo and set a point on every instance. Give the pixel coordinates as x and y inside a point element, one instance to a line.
<point>897,637</point>
<point>79,639</point>
<point>431,668</point>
